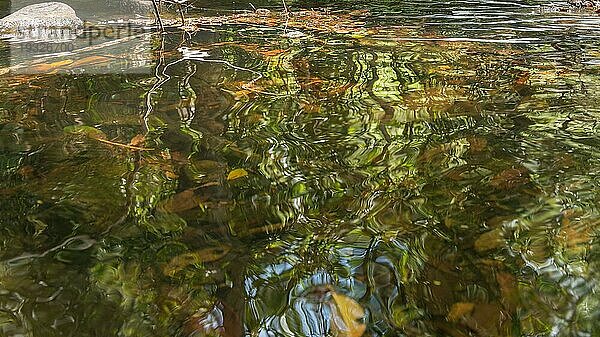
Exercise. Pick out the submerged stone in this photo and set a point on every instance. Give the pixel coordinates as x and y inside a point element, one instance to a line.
<point>44,21</point>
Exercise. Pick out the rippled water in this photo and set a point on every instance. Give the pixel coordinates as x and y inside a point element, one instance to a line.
<point>431,172</point>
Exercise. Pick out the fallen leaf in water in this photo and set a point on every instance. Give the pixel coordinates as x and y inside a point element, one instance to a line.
<point>459,310</point>
<point>510,178</point>
<point>138,140</point>
<point>488,319</point>
<point>61,63</point>
<point>38,224</point>
<point>489,240</point>
<point>522,78</point>
<point>241,95</point>
<point>310,107</point>
<point>271,53</point>
<point>360,12</point>
<point>181,202</point>
<point>477,144</point>
<point>49,67</point>
<point>90,60</point>
<point>207,166</point>
<point>509,290</point>
<point>85,130</point>
<point>26,172</point>
<point>576,232</point>
<point>346,317</point>
<point>182,261</point>
<point>236,174</point>
<point>171,175</point>
<point>264,229</point>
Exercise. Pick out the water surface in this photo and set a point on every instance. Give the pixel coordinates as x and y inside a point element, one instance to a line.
<point>429,171</point>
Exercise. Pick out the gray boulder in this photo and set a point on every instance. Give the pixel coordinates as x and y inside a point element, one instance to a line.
<point>48,20</point>
<point>93,10</point>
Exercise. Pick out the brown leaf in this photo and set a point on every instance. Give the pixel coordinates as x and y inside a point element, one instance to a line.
<point>576,232</point>
<point>489,240</point>
<point>477,144</point>
<point>271,53</point>
<point>459,310</point>
<point>138,140</point>
<point>508,289</point>
<point>310,107</point>
<point>26,172</point>
<point>488,319</point>
<point>510,178</point>
<point>522,78</point>
<point>181,202</point>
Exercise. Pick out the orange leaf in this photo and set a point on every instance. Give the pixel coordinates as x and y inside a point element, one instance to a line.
<point>274,52</point>
<point>138,140</point>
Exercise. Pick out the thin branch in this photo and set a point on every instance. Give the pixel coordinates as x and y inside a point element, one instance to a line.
<point>157,14</point>
<point>180,10</point>
<point>131,147</point>
<point>285,8</point>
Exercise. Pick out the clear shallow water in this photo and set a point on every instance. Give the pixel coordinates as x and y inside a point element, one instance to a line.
<point>429,174</point>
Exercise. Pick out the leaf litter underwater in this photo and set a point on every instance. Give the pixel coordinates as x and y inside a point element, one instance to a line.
<point>411,170</point>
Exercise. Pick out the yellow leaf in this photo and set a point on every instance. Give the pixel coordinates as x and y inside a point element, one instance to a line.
<point>90,60</point>
<point>171,175</point>
<point>347,314</point>
<point>236,174</point>
<point>182,261</point>
<point>241,95</point>
<point>61,63</point>
<point>460,310</point>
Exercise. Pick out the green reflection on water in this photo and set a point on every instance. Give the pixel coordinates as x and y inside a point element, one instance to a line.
<point>448,188</point>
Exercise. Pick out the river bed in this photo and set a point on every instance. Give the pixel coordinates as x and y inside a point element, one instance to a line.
<point>423,168</point>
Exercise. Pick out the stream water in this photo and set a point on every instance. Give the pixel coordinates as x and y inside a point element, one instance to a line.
<point>376,168</point>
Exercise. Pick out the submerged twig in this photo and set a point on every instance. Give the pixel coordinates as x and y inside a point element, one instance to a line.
<point>157,14</point>
<point>285,8</point>
<point>127,146</point>
<point>180,10</point>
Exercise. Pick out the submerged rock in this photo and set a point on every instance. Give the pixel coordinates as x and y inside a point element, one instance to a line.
<point>45,21</point>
